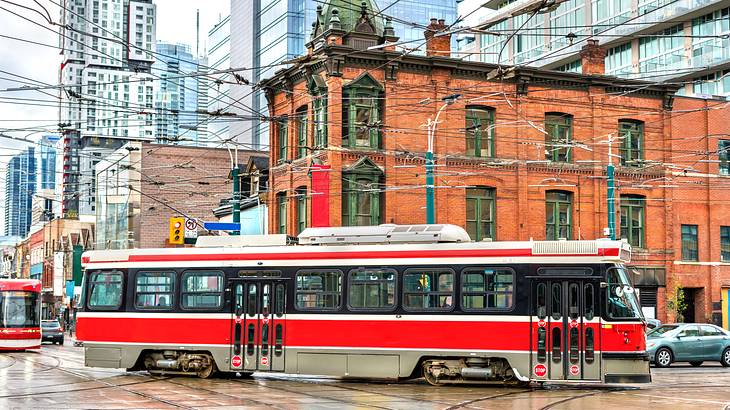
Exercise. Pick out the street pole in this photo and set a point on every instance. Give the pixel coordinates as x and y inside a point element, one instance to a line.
<point>430,183</point>
<point>610,197</point>
<point>236,198</point>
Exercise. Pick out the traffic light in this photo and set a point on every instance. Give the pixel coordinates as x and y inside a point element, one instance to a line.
<point>176,231</point>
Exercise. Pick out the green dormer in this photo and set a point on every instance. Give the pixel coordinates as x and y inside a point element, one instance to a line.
<point>359,26</point>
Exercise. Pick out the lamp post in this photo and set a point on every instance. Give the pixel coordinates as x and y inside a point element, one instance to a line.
<point>430,201</point>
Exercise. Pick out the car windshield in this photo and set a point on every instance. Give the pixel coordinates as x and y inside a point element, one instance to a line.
<point>622,301</point>
<point>661,330</point>
<point>50,323</point>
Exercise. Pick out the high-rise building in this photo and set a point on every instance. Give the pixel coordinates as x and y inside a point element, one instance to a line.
<point>264,34</point>
<point>219,58</point>
<point>176,96</point>
<point>20,186</point>
<point>108,49</point>
<point>685,41</point>
<point>47,162</point>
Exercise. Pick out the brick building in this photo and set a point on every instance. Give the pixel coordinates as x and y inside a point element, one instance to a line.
<point>142,185</point>
<point>520,153</point>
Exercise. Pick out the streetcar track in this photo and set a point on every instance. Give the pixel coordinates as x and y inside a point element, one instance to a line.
<point>196,388</point>
<point>102,381</point>
<point>494,396</point>
<point>580,396</point>
<point>12,362</point>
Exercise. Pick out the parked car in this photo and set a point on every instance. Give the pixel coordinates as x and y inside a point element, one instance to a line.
<point>688,342</point>
<point>652,323</point>
<point>51,331</point>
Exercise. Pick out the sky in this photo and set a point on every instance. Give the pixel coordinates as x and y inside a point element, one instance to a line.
<point>40,63</point>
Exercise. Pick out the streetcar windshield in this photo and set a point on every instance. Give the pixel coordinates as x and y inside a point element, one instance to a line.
<point>19,309</point>
<point>622,301</point>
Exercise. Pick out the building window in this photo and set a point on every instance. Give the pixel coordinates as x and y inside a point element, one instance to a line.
<point>283,126</point>
<point>558,215</point>
<point>689,243</point>
<point>480,208</point>
<point>618,60</point>
<point>559,129</point>
<point>633,212</point>
<point>301,209</point>
<point>362,198</point>
<point>318,90</point>
<point>302,114</point>
<point>362,113</point>
<point>631,134</point>
<point>281,205</point>
<point>723,153</point>
<point>479,132</point>
<point>725,243</point>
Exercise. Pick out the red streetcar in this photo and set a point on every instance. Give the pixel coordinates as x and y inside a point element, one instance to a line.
<point>387,301</point>
<point>20,314</point>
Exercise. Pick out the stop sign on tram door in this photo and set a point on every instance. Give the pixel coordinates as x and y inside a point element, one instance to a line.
<point>540,370</point>
<point>264,361</point>
<point>236,361</point>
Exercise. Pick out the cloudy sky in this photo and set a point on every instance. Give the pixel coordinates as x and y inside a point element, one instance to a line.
<point>39,63</point>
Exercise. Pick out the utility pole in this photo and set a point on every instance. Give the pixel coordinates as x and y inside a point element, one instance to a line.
<point>236,198</point>
<point>430,200</point>
<point>610,197</point>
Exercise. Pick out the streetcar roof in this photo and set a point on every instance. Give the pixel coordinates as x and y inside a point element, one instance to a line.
<point>565,252</point>
<point>30,285</point>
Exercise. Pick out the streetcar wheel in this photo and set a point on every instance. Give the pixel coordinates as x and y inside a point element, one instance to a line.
<point>696,364</point>
<point>663,357</point>
<point>430,378</point>
<point>725,360</point>
<point>208,371</point>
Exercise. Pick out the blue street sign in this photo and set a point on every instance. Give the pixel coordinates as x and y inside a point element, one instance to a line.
<point>222,226</point>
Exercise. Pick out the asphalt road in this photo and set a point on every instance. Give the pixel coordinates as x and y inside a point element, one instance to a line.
<point>55,378</point>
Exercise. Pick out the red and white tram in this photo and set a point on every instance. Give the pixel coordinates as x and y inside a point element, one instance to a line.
<point>388,302</point>
<point>20,314</point>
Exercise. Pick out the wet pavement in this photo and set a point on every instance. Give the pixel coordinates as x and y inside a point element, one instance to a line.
<point>55,378</point>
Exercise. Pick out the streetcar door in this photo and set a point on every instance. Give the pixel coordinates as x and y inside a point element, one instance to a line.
<point>259,325</point>
<point>565,329</point>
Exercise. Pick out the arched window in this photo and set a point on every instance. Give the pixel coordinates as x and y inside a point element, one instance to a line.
<point>318,91</point>
<point>479,131</point>
<point>633,216</point>
<point>362,198</point>
<point>302,139</point>
<point>558,215</point>
<point>362,113</point>
<point>301,195</point>
<point>558,137</point>
<point>631,133</point>
<point>281,207</point>
<point>480,211</point>
<point>283,138</point>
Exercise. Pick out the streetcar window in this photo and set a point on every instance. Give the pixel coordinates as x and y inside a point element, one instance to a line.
<point>622,302</point>
<point>319,290</point>
<point>19,309</point>
<point>105,290</point>
<point>557,307</point>
<point>487,289</point>
<point>202,290</point>
<point>425,289</point>
<point>154,290</point>
<point>589,305</point>
<point>574,352</point>
<point>573,299</point>
<point>557,351</point>
<point>541,302</point>
<point>371,289</point>
<point>589,345</point>
<point>541,344</point>
<point>280,301</point>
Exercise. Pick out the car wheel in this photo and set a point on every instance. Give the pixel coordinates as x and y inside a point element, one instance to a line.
<point>696,364</point>
<point>663,357</point>
<point>725,360</point>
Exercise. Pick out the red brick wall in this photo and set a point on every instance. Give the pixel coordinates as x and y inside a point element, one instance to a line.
<point>191,180</point>
<point>673,141</point>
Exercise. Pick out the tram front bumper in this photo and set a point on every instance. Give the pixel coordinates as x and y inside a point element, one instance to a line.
<point>627,367</point>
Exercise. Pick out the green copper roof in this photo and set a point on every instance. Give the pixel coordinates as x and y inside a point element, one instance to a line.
<point>350,14</point>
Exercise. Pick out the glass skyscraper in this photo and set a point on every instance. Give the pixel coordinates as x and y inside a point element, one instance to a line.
<point>20,186</point>
<point>272,31</point>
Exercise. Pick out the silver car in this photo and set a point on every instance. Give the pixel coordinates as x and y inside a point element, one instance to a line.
<point>688,342</point>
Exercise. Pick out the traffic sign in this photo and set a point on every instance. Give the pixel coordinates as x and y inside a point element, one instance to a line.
<point>540,370</point>
<point>236,361</point>
<point>191,228</point>
<point>574,370</point>
<point>264,361</point>
<point>222,226</point>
